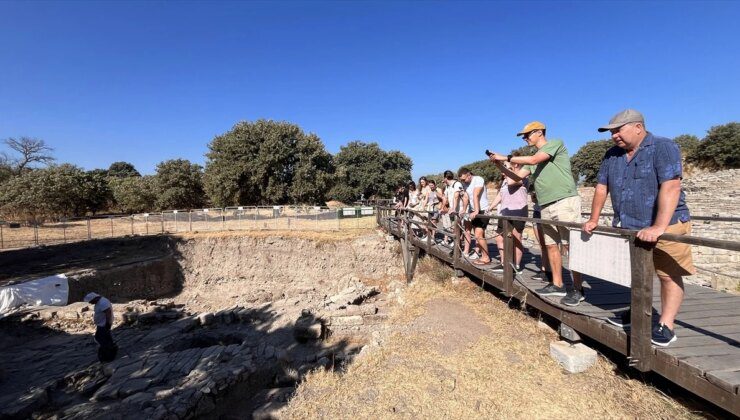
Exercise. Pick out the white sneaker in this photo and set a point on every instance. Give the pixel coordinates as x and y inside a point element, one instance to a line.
<point>473,256</point>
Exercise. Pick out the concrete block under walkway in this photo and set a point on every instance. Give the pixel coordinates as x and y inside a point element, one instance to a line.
<point>574,358</point>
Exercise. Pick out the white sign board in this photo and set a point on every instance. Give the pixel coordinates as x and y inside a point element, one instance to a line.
<point>348,211</point>
<point>366,211</point>
<point>601,255</point>
<point>240,208</point>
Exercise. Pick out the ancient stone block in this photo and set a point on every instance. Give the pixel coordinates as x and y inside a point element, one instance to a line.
<point>574,358</point>
<point>347,320</point>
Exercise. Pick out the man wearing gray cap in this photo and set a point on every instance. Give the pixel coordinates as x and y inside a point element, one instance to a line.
<point>643,174</point>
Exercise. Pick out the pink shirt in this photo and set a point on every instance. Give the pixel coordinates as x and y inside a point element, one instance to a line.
<point>514,199</point>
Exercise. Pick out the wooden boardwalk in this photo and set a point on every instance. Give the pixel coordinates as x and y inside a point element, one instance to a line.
<point>706,358</point>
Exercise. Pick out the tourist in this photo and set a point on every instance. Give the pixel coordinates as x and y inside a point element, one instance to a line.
<point>477,200</point>
<point>549,171</point>
<point>402,198</point>
<point>642,172</point>
<point>452,200</point>
<point>413,199</point>
<point>434,198</point>
<point>511,200</point>
<point>103,320</point>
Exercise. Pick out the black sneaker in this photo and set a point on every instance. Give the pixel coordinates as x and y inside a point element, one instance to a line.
<point>622,320</point>
<point>551,290</point>
<point>663,336</point>
<point>541,276</point>
<point>498,269</point>
<point>573,297</point>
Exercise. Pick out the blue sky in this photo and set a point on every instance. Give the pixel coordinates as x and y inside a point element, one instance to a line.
<point>441,81</point>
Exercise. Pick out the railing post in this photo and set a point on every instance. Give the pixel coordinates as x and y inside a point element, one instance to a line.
<point>190,220</point>
<point>36,233</point>
<point>457,232</point>
<point>161,220</point>
<point>175,221</point>
<point>223,219</point>
<point>89,233</point>
<point>132,225</point>
<point>508,258</point>
<point>111,226</point>
<point>2,240</point>
<point>430,233</point>
<point>641,258</point>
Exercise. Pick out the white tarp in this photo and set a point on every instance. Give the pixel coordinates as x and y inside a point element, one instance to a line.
<point>52,291</point>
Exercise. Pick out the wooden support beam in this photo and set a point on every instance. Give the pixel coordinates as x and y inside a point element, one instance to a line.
<point>641,258</point>
<point>508,258</point>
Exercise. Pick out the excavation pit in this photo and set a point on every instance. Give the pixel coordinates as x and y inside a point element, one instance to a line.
<point>206,325</point>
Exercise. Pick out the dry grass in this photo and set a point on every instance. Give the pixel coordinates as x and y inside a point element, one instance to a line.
<point>506,373</point>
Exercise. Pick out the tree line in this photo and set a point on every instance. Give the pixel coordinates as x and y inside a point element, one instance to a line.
<point>255,163</point>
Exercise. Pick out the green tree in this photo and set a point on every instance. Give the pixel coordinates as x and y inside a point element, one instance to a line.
<point>56,191</point>
<point>484,168</point>
<point>719,149</point>
<point>586,162</point>
<point>122,170</point>
<point>313,171</point>
<point>134,194</point>
<point>96,191</point>
<point>687,143</point>
<point>179,185</point>
<point>366,169</point>
<point>256,163</point>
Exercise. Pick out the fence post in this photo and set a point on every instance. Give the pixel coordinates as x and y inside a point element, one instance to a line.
<point>190,221</point>
<point>161,220</point>
<point>146,222</point>
<point>175,221</point>
<point>456,253</point>
<point>223,219</point>
<point>64,231</point>
<point>641,257</point>
<point>431,233</point>
<point>89,232</point>
<point>508,258</point>
<point>132,225</point>
<point>111,225</point>
<point>2,240</point>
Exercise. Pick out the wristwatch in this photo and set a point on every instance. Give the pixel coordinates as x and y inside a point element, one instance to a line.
<point>508,158</point>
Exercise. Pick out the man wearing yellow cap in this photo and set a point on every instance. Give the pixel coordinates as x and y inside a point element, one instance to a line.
<point>549,172</point>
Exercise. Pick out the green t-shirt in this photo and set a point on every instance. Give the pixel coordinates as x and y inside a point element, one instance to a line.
<point>552,178</point>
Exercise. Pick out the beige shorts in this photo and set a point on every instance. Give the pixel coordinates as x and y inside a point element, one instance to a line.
<point>674,259</point>
<point>565,210</point>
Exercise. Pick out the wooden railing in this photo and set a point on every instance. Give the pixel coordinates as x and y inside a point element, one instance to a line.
<point>642,271</point>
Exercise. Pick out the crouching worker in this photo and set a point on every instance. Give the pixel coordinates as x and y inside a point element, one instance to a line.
<point>103,319</point>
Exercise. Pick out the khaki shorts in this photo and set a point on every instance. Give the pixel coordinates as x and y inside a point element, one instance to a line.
<point>564,210</point>
<point>673,259</point>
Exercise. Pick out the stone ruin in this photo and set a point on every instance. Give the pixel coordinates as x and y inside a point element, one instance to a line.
<point>175,363</point>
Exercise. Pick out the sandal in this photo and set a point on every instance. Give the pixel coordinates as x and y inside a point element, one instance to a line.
<point>479,262</point>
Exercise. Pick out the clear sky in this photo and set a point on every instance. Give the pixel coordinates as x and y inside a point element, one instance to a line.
<point>441,81</point>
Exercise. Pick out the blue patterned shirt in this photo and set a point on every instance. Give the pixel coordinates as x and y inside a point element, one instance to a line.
<point>634,185</point>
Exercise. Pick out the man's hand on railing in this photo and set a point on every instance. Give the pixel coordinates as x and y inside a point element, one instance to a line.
<point>650,234</point>
<point>473,214</point>
<point>589,226</point>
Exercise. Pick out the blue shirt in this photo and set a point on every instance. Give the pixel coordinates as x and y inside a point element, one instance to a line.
<point>634,185</point>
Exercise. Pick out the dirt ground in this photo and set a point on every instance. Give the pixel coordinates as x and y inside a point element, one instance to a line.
<point>456,351</point>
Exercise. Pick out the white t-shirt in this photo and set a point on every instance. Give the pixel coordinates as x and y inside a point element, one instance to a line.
<point>413,198</point>
<point>99,317</point>
<point>450,191</point>
<point>477,182</point>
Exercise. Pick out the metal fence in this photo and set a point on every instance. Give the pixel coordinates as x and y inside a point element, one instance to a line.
<point>303,218</point>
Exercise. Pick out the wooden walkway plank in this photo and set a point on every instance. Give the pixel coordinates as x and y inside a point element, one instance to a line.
<point>728,380</point>
<point>702,364</point>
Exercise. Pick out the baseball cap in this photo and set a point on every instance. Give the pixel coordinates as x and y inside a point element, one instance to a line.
<point>625,117</point>
<point>534,125</point>
<point>90,296</point>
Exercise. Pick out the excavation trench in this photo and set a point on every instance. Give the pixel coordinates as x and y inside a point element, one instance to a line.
<point>207,326</point>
